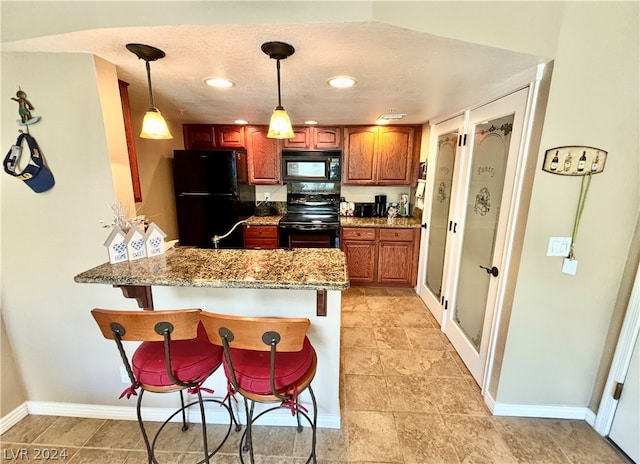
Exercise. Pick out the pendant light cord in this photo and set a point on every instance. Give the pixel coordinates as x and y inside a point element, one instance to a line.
<point>151,102</point>
<point>584,189</point>
<point>278,69</point>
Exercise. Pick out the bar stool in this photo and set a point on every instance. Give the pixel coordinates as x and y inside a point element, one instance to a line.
<point>266,360</point>
<point>175,355</point>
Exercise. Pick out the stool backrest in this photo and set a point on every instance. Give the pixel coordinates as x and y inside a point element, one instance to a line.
<point>255,333</point>
<point>148,325</point>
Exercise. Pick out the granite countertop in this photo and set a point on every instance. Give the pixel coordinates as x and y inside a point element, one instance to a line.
<point>264,220</point>
<point>300,268</point>
<point>398,222</point>
<point>410,222</point>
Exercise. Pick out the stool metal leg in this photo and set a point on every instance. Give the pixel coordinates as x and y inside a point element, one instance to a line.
<point>205,444</point>
<point>314,425</point>
<point>246,442</point>
<point>147,445</point>
<point>185,426</point>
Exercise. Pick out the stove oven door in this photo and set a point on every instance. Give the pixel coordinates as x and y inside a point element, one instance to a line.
<point>301,237</point>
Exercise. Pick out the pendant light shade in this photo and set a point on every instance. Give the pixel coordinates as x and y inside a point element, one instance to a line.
<point>153,126</point>
<point>280,125</point>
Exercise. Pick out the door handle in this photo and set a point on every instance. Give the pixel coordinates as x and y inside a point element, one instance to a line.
<point>490,270</point>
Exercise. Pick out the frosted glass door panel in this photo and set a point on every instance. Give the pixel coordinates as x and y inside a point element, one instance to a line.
<point>440,203</point>
<point>486,182</point>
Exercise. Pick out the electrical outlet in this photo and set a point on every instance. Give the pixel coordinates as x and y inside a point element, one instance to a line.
<point>124,376</point>
<point>267,196</point>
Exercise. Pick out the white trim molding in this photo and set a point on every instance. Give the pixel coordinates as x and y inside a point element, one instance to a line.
<point>15,416</point>
<point>94,411</point>
<point>629,334</point>
<point>545,411</point>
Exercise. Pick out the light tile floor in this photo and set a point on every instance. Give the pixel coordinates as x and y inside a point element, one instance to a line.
<point>406,397</point>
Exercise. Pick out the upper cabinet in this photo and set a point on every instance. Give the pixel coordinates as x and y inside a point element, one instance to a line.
<point>315,138</point>
<point>212,136</point>
<point>381,155</point>
<point>263,155</point>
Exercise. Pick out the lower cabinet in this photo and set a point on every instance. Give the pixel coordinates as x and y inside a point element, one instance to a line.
<point>261,236</point>
<point>381,256</point>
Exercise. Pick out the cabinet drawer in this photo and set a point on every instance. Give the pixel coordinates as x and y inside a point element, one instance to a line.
<point>263,243</point>
<point>358,233</point>
<point>397,235</point>
<point>261,232</point>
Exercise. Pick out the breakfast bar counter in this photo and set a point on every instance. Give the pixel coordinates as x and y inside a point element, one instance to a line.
<point>301,282</point>
<point>319,269</point>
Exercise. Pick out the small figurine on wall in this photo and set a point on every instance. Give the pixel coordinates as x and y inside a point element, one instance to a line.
<point>24,109</point>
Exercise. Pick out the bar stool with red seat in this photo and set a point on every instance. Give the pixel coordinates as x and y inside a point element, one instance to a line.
<point>175,355</point>
<point>266,360</point>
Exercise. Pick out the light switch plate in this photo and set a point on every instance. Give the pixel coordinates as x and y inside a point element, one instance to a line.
<point>559,246</point>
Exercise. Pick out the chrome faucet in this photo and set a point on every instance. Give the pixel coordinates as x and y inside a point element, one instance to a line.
<point>216,238</point>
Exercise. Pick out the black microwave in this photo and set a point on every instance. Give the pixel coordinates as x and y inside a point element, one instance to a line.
<point>311,166</point>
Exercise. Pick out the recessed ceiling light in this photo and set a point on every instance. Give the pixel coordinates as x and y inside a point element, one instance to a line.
<point>341,82</point>
<point>241,121</point>
<point>218,82</point>
<point>311,122</point>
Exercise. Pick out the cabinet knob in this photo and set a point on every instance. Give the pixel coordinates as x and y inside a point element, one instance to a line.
<point>396,234</point>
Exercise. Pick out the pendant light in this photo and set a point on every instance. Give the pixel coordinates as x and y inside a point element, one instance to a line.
<point>280,125</point>
<point>153,126</point>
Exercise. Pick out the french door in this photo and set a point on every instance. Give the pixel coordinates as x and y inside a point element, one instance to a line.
<point>474,247</point>
<point>446,145</point>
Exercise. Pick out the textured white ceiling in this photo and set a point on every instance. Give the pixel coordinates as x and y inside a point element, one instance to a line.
<point>397,70</point>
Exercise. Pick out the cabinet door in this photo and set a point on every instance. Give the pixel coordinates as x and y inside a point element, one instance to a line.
<point>301,139</point>
<point>361,260</point>
<point>359,155</point>
<point>263,156</point>
<point>395,262</point>
<point>261,237</point>
<point>325,138</point>
<point>229,136</point>
<point>198,136</point>
<point>395,155</point>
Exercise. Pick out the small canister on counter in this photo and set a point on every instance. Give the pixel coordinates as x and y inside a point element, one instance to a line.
<point>344,206</point>
<point>351,208</point>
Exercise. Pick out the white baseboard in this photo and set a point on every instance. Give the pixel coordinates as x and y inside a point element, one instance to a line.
<point>544,411</point>
<point>45,408</point>
<point>13,417</point>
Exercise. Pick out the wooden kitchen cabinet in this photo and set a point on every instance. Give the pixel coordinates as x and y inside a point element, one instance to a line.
<point>265,237</point>
<point>381,256</point>
<point>263,156</point>
<point>212,136</point>
<point>315,138</point>
<point>359,244</point>
<point>377,155</point>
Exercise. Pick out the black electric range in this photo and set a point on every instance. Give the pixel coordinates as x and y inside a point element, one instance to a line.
<point>313,215</point>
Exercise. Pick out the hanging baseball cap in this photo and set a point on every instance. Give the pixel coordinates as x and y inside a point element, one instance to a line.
<point>36,174</point>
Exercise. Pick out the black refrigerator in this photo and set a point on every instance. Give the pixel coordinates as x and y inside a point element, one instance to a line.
<point>212,194</point>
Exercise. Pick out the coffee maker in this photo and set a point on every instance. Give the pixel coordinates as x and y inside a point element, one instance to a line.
<point>380,206</point>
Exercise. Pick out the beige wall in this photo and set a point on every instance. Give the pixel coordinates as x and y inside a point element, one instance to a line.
<point>48,238</point>
<point>155,162</point>
<point>12,392</point>
<point>559,323</point>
